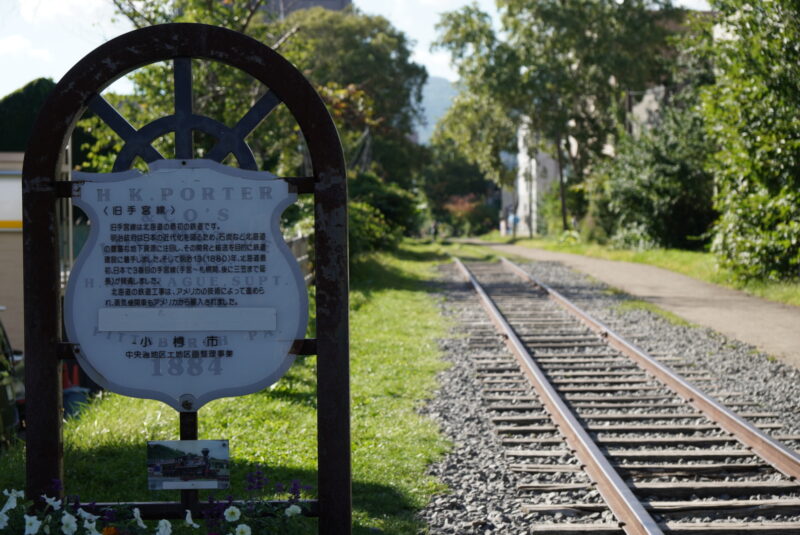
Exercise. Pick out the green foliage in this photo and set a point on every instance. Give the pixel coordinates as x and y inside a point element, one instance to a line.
<point>360,66</point>
<point>562,65</point>
<point>397,205</point>
<point>758,234</point>
<point>655,192</point>
<point>350,48</point>
<point>751,114</point>
<point>458,194</point>
<point>480,130</point>
<point>550,210</point>
<point>368,230</point>
<point>18,110</point>
<point>347,47</point>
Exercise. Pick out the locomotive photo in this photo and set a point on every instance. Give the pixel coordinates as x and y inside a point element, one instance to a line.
<point>188,464</point>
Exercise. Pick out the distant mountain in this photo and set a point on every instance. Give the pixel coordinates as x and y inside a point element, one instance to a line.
<point>437,95</point>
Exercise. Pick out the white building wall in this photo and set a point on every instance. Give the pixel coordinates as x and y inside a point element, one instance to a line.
<point>11,246</point>
<point>11,276</point>
<point>536,172</point>
<point>646,113</point>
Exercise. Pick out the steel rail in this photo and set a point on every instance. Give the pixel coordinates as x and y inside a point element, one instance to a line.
<point>633,518</point>
<point>773,452</point>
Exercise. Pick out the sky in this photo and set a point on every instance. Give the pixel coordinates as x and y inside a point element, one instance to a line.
<point>46,37</point>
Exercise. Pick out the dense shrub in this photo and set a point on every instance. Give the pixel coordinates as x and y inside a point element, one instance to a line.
<point>460,198</point>
<point>369,230</point>
<point>751,112</point>
<point>655,192</point>
<point>397,205</point>
<point>758,235</point>
<point>470,214</point>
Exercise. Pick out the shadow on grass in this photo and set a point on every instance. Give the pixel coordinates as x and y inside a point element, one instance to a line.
<point>295,387</point>
<point>470,252</point>
<point>421,256</point>
<point>369,274</point>
<point>119,474</point>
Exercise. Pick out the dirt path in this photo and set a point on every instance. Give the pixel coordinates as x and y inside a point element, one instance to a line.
<point>771,327</point>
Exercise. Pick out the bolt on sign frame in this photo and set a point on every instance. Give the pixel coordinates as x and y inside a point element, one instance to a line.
<point>80,90</point>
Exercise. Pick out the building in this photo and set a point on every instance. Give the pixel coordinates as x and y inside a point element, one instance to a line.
<point>11,245</point>
<point>11,278</point>
<point>537,171</point>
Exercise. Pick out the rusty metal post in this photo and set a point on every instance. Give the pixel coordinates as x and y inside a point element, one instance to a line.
<point>188,431</point>
<point>44,451</point>
<point>333,363</point>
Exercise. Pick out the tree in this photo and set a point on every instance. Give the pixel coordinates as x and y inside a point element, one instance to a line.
<point>751,115</point>
<point>18,111</point>
<point>359,64</point>
<point>656,191</point>
<point>563,65</point>
<point>349,48</point>
<point>458,193</point>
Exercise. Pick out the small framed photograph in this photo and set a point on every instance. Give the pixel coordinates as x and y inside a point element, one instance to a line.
<point>188,464</point>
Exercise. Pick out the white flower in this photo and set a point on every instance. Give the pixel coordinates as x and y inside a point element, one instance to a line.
<point>69,525</point>
<point>232,513</point>
<point>243,529</point>
<point>32,525</point>
<point>293,510</point>
<point>137,515</point>
<point>12,499</point>
<point>189,522</point>
<point>52,502</point>
<point>164,527</point>
<point>90,527</point>
<point>87,516</point>
<point>3,520</point>
<point>10,503</point>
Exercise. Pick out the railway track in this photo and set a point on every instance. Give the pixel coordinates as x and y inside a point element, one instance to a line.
<point>650,451</point>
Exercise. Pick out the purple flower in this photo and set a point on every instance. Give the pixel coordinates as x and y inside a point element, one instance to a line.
<point>256,480</point>
<point>295,488</point>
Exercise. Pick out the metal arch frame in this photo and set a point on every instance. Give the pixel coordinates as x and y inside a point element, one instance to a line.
<point>55,122</point>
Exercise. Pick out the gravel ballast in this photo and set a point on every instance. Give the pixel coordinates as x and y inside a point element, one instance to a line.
<point>483,496</point>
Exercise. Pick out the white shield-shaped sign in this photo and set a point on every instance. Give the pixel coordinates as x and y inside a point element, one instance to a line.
<point>185,291</point>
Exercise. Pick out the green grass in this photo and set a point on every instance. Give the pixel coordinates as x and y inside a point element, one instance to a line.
<point>394,359</point>
<point>695,264</point>
<point>635,304</point>
<point>473,253</point>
